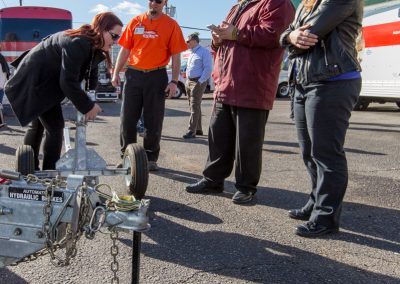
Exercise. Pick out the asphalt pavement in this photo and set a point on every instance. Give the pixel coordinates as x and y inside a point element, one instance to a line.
<point>208,239</point>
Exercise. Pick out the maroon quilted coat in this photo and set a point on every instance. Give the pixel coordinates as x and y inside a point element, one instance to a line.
<point>246,71</point>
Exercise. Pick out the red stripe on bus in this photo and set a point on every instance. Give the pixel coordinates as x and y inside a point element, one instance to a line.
<point>30,12</point>
<point>17,46</point>
<point>382,35</point>
<point>10,58</point>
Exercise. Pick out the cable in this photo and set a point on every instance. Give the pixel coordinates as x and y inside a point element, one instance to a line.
<point>198,29</point>
<point>183,27</point>
<point>4,3</point>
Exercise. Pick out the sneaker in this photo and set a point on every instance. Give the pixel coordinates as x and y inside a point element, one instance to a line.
<point>199,132</point>
<point>153,166</point>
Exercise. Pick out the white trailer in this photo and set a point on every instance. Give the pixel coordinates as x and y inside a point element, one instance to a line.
<point>380,55</point>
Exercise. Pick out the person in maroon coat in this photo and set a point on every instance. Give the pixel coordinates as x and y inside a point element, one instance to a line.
<point>246,71</point>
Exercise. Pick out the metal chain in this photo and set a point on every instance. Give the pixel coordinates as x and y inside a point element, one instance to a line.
<point>69,242</point>
<point>114,254</point>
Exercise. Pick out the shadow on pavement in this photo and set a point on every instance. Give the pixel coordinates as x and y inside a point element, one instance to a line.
<point>6,276</point>
<point>296,145</point>
<point>370,225</point>
<point>374,129</point>
<point>375,124</point>
<point>175,113</point>
<point>181,211</point>
<point>7,150</point>
<point>201,140</point>
<point>180,176</point>
<point>247,258</point>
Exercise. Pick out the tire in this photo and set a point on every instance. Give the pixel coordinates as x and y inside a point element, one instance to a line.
<point>25,163</point>
<point>180,90</point>
<point>361,105</point>
<point>135,159</point>
<point>398,104</point>
<point>283,90</point>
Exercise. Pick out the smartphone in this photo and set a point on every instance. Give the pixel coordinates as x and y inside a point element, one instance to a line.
<point>211,27</point>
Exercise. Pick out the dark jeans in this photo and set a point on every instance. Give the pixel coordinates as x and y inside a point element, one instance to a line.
<point>53,122</point>
<point>322,112</point>
<point>143,91</point>
<point>236,135</point>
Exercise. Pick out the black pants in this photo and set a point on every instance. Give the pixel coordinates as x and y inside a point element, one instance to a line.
<point>236,135</point>
<point>143,91</point>
<point>322,112</point>
<point>53,122</point>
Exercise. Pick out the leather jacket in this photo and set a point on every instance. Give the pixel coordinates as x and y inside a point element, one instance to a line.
<point>337,23</point>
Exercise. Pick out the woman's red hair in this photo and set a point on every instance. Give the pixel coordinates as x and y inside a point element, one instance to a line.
<point>102,22</point>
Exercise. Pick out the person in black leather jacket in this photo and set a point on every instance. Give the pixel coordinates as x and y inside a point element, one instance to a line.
<point>53,70</point>
<point>326,74</point>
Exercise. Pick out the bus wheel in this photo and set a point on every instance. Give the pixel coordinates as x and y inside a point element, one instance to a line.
<point>398,104</point>
<point>361,105</point>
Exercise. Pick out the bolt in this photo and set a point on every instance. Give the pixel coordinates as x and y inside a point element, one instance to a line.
<point>39,234</point>
<point>17,232</point>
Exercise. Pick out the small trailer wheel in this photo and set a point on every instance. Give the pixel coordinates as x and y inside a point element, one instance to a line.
<point>25,163</point>
<point>135,159</point>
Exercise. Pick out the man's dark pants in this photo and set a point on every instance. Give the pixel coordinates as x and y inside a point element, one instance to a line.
<point>143,90</point>
<point>322,112</point>
<point>236,135</point>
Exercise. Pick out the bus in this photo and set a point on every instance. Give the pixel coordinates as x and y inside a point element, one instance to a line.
<point>22,27</point>
<point>380,55</point>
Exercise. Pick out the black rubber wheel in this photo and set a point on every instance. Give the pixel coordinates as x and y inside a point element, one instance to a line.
<point>180,90</point>
<point>361,105</point>
<point>135,159</point>
<point>25,163</point>
<point>398,104</point>
<point>283,90</point>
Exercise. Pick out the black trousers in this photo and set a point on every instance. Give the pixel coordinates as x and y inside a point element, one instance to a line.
<point>236,135</point>
<point>143,91</point>
<point>322,112</point>
<point>52,122</point>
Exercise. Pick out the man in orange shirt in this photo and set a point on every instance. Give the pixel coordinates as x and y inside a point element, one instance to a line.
<point>149,41</point>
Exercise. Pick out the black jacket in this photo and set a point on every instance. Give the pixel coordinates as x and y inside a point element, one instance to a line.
<point>51,71</point>
<point>337,23</point>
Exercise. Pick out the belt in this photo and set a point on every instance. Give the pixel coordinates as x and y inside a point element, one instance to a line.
<point>146,70</point>
<point>194,79</point>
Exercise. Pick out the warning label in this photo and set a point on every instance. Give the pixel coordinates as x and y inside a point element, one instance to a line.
<point>33,194</point>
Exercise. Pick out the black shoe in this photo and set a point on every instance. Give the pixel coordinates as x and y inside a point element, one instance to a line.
<point>241,197</point>
<point>199,132</point>
<point>299,214</point>
<point>313,230</point>
<point>204,186</point>
<point>189,134</point>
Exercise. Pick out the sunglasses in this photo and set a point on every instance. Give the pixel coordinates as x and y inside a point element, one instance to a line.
<point>114,36</point>
<point>157,1</point>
